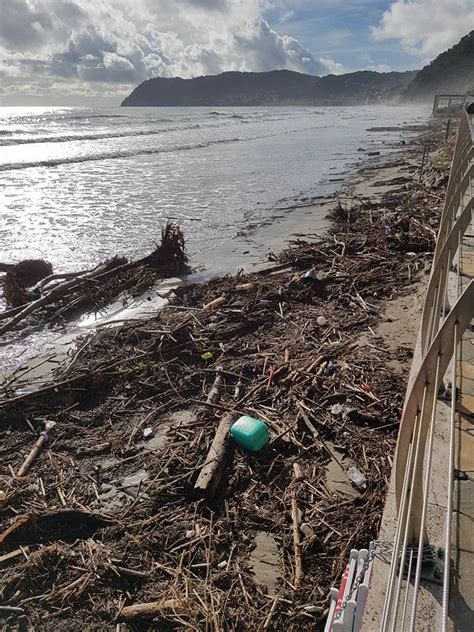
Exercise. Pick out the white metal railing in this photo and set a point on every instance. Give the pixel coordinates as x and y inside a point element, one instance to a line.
<point>442,327</point>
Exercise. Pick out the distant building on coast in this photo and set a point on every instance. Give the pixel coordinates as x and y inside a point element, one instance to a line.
<point>448,104</point>
<point>451,104</point>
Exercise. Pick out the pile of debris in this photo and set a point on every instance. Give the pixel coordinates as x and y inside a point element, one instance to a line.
<point>135,510</point>
<point>34,294</point>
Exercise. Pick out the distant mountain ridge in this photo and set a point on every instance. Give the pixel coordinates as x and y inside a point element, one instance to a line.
<point>277,87</point>
<point>450,72</point>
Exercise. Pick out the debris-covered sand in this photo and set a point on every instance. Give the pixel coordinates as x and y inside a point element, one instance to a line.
<point>108,517</point>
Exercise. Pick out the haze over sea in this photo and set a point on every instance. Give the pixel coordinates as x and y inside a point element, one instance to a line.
<point>78,185</point>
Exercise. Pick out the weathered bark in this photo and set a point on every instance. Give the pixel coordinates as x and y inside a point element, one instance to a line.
<point>215,392</point>
<point>211,473</point>
<point>296,542</point>
<point>217,302</point>
<point>34,452</point>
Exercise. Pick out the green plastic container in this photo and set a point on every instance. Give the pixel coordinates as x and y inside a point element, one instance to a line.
<point>249,433</point>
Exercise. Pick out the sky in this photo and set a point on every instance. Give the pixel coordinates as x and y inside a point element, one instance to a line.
<point>93,52</point>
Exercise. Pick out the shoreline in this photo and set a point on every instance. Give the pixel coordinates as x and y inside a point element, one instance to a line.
<point>324,388</point>
<point>303,215</point>
<point>311,173</point>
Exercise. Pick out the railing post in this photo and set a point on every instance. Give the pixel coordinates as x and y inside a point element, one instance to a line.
<point>455,219</point>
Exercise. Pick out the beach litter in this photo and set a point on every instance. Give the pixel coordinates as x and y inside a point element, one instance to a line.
<point>113,533</point>
<point>249,433</point>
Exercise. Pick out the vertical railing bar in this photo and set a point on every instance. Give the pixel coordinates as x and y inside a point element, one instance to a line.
<point>396,545</point>
<point>449,504</point>
<point>405,601</point>
<point>427,334</point>
<point>449,507</point>
<point>407,521</point>
<point>458,278</point>
<point>446,287</point>
<point>403,517</point>
<point>435,323</point>
<point>433,317</point>
<point>425,501</point>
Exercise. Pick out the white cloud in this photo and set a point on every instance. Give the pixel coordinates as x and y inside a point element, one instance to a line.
<point>366,62</point>
<point>426,27</point>
<point>115,44</point>
<point>286,16</point>
<point>334,68</point>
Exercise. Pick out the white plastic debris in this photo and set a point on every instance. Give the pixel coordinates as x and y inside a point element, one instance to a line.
<point>321,320</point>
<point>309,275</point>
<point>148,433</point>
<point>356,477</point>
<point>222,565</point>
<point>135,479</point>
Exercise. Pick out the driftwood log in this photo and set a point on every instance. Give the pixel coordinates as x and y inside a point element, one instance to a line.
<point>34,452</point>
<point>152,609</point>
<point>168,256</point>
<point>57,292</point>
<point>211,473</point>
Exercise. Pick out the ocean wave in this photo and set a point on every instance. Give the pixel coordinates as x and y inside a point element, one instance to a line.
<point>240,115</point>
<point>79,117</point>
<point>32,140</point>
<point>165,120</point>
<point>55,162</point>
<point>232,115</point>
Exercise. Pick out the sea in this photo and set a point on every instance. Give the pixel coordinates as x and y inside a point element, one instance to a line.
<point>79,185</point>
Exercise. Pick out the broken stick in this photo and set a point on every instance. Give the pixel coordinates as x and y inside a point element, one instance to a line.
<point>296,542</point>
<point>215,392</point>
<point>217,302</point>
<point>35,450</point>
